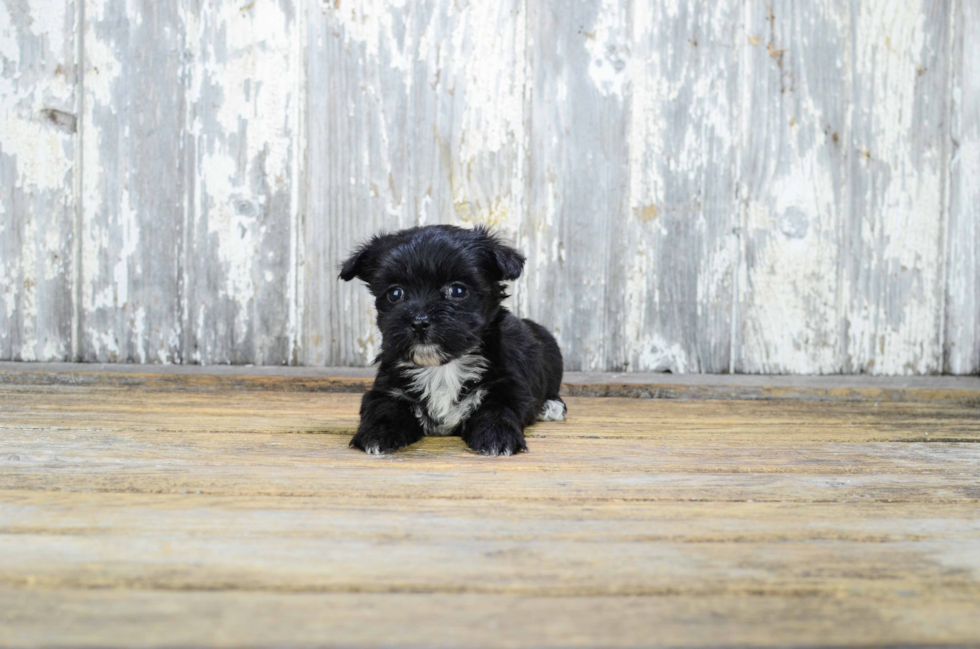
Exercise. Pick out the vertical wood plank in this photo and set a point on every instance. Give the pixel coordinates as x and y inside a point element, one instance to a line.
<point>239,263</point>
<point>578,172</point>
<point>793,185</point>
<point>133,181</point>
<point>894,243</point>
<point>415,117</point>
<point>962,339</point>
<point>671,280</point>
<point>359,164</point>
<point>37,202</point>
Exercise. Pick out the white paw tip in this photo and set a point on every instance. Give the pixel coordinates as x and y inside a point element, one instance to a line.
<point>554,410</point>
<point>499,452</point>
<point>372,449</point>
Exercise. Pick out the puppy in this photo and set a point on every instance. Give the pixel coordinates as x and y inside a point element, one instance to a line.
<point>453,361</point>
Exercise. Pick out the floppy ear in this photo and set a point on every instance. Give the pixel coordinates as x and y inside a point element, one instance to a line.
<point>363,261</point>
<point>508,261</point>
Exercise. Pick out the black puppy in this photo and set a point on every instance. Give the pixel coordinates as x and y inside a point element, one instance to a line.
<point>453,361</point>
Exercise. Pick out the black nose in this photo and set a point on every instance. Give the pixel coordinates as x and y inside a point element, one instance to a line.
<point>420,322</point>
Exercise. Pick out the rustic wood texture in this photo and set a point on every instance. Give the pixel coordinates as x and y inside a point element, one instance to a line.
<point>205,518</point>
<point>757,187</point>
<point>894,252</point>
<point>953,390</point>
<point>578,173</point>
<point>674,251</point>
<point>132,189</point>
<point>189,149</point>
<point>962,342</point>
<point>415,117</point>
<point>792,170</point>
<point>239,259</point>
<point>37,172</point>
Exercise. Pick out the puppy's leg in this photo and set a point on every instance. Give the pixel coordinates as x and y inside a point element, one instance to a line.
<point>387,424</point>
<point>494,429</point>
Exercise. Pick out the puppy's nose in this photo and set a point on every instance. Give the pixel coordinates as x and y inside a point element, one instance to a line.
<point>420,322</point>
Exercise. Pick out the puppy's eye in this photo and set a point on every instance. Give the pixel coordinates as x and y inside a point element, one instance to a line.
<point>457,291</point>
<point>395,294</point>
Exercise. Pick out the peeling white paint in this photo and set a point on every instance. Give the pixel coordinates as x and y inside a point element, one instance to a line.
<point>9,48</point>
<point>430,104</point>
<point>895,319</point>
<point>374,23</point>
<point>962,321</point>
<point>608,45</point>
<point>36,159</point>
<point>242,111</point>
<point>28,299</point>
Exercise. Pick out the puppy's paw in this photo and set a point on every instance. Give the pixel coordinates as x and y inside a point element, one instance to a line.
<point>375,441</point>
<point>495,440</point>
<point>553,410</point>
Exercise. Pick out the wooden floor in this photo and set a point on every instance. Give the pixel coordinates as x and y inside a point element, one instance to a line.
<point>141,516</point>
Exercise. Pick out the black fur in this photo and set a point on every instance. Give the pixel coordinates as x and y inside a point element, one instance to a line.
<point>521,366</point>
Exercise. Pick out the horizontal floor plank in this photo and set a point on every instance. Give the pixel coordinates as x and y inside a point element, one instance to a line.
<point>99,409</point>
<point>255,464</point>
<point>114,618</point>
<point>343,545</point>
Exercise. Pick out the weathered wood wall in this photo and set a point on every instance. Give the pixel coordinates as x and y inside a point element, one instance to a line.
<point>743,185</point>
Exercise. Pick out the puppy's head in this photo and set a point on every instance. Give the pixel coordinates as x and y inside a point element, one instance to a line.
<point>436,289</point>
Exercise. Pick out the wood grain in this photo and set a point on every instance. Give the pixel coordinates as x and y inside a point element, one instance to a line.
<point>962,325</point>
<point>240,618</point>
<point>239,259</point>
<point>894,248</point>
<point>674,252</point>
<point>760,187</point>
<point>38,124</point>
<point>794,104</point>
<point>132,212</point>
<point>216,518</point>
<point>578,174</point>
<point>416,117</point>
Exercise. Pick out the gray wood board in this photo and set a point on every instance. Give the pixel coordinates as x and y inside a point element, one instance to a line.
<point>962,333</point>
<point>189,151</point>
<point>792,186</point>
<point>578,173</point>
<point>415,117</point>
<point>675,250</point>
<point>893,256</point>
<point>243,76</point>
<point>37,173</point>
<point>759,187</point>
<point>132,182</point>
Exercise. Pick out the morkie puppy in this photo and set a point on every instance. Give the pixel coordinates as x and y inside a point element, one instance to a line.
<point>453,361</point>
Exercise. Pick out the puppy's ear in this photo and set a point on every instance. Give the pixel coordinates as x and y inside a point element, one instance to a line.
<point>363,262</point>
<point>508,262</point>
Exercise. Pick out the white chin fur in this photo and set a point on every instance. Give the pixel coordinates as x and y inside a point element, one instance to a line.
<point>553,410</point>
<point>427,355</point>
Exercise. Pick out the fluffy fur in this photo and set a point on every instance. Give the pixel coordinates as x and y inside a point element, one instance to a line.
<point>453,361</point>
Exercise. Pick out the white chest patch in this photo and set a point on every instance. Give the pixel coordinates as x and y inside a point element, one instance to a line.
<point>441,388</point>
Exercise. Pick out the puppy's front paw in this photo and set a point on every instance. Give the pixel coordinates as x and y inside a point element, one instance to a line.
<point>497,439</point>
<point>378,441</point>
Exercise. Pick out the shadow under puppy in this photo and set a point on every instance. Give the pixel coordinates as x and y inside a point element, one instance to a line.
<point>453,361</point>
